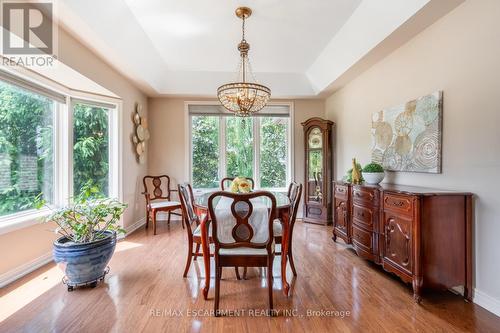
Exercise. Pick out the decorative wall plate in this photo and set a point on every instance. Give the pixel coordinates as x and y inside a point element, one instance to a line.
<point>142,159</point>
<point>137,119</point>
<point>140,132</point>
<point>135,139</point>
<point>138,149</point>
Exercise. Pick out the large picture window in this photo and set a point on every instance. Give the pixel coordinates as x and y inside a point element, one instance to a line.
<point>26,148</point>
<point>51,145</point>
<point>90,147</point>
<point>223,145</point>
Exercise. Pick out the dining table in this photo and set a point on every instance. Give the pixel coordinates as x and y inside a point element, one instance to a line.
<point>283,207</point>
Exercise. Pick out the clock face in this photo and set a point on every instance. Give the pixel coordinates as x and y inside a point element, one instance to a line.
<point>315,138</point>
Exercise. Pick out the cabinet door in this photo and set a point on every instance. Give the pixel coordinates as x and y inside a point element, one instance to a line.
<point>398,242</point>
<point>341,216</point>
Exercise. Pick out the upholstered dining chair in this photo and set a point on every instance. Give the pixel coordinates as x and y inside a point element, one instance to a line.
<point>226,182</point>
<point>294,194</point>
<point>157,192</point>
<point>242,231</point>
<point>192,223</point>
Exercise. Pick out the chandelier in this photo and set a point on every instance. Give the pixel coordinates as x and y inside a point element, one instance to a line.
<point>242,97</point>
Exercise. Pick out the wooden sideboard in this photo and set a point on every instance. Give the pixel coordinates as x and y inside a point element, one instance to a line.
<point>422,235</point>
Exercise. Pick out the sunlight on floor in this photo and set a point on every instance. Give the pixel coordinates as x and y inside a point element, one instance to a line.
<point>26,293</point>
<point>125,245</point>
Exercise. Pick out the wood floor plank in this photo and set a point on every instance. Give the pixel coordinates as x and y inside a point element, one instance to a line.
<point>145,292</point>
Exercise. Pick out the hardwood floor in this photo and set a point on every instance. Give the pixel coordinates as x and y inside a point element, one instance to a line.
<point>145,291</point>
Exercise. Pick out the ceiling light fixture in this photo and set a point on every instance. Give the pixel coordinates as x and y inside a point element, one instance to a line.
<point>244,98</point>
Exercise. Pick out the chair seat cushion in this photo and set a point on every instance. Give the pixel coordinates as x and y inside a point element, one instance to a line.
<point>277,228</point>
<point>243,251</point>
<point>164,204</point>
<point>197,231</point>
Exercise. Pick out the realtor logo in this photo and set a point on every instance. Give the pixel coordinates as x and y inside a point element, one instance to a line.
<point>29,32</point>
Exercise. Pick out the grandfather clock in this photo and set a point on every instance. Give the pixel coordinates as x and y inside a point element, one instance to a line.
<point>318,143</point>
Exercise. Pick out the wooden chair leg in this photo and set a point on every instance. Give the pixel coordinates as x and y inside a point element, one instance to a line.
<point>270,284</point>
<point>196,251</point>
<point>153,218</point>
<point>290,259</point>
<point>147,218</point>
<point>218,274</point>
<point>182,221</point>
<point>168,218</point>
<point>244,273</point>
<point>190,256</point>
<point>237,271</point>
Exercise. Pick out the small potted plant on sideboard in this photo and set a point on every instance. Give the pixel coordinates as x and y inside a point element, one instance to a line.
<point>373,173</point>
<point>88,226</point>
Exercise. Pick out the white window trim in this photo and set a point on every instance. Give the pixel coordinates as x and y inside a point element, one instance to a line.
<point>222,165</point>
<point>63,152</point>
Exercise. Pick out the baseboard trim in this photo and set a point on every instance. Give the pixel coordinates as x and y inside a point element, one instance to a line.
<point>486,301</point>
<point>131,228</point>
<point>18,272</point>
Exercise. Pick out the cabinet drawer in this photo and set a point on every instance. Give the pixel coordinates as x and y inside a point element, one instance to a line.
<point>341,191</point>
<point>398,203</point>
<point>362,239</point>
<point>363,217</point>
<point>365,196</point>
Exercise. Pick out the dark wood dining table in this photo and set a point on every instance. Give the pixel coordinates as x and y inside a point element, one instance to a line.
<point>283,206</point>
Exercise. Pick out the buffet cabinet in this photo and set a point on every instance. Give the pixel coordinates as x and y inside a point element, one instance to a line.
<point>424,236</point>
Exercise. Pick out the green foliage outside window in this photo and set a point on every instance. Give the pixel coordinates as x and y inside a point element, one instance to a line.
<point>91,148</point>
<point>239,147</point>
<point>273,152</point>
<point>26,148</point>
<point>239,150</point>
<point>205,142</point>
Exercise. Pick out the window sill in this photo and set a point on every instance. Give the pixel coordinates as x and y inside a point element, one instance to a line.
<point>22,220</point>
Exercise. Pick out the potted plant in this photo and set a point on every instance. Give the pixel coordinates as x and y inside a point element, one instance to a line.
<point>88,226</point>
<point>373,173</point>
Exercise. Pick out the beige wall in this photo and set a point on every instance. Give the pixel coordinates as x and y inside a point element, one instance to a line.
<point>40,238</point>
<point>459,54</point>
<point>169,144</point>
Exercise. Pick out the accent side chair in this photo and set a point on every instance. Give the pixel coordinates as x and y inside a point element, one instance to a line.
<point>157,192</point>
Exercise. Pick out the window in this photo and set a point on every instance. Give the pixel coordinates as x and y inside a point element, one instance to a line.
<point>26,148</point>
<point>90,147</point>
<point>205,152</point>
<point>223,145</point>
<point>52,148</point>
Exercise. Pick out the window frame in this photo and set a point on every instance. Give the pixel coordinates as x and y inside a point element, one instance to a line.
<point>63,149</point>
<point>256,145</point>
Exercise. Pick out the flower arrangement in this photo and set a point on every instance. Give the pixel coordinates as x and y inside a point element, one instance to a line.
<point>241,185</point>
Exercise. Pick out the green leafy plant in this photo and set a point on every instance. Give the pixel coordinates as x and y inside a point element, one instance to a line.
<point>373,167</point>
<point>348,176</point>
<point>88,216</point>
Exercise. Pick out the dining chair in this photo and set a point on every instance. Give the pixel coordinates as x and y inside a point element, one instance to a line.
<point>157,192</point>
<point>192,220</point>
<point>294,194</point>
<point>242,231</point>
<point>226,182</point>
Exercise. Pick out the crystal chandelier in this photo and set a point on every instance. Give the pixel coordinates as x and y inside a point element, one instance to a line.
<point>244,98</point>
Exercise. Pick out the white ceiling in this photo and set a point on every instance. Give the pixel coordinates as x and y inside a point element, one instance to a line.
<point>172,47</point>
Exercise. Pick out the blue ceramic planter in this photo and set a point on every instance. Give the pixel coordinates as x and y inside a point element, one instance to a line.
<point>84,262</point>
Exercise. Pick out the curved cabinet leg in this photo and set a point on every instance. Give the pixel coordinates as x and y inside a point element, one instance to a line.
<point>417,289</point>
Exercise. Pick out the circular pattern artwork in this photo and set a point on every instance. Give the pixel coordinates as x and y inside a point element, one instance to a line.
<point>141,133</point>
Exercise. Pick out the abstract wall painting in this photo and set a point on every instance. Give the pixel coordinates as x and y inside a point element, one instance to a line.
<point>408,137</point>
